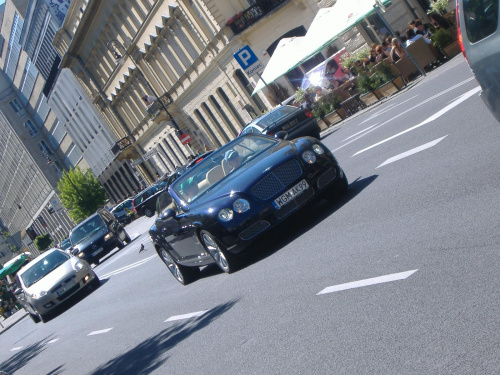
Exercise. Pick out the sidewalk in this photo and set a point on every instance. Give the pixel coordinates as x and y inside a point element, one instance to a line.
<point>5,324</point>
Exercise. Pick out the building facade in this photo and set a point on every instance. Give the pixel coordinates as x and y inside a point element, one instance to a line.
<point>125,52</point>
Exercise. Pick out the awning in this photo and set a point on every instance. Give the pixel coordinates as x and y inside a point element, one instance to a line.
<point>327,26</point>
<point>13,265</point>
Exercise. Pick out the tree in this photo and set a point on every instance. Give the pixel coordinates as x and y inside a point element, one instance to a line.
<point>43,242</point>
<point>81,193</point>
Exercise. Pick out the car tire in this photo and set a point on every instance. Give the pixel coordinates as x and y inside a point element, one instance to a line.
<point>317,136</point>
<point>96,283</point>
<point>121,244</point>
<point>226,261</point>
<point>35,317</point>
<point>148,212</point>
<point>184,275</point>
<point>338,189</point>
<point>96,262</point>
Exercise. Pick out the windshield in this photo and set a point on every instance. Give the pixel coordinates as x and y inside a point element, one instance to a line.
<point>43,267</point>
<point>126,204</point>
<point>275,115</point>
<point>218,165</point>
<point>66,244</point>
<point>86,229</point>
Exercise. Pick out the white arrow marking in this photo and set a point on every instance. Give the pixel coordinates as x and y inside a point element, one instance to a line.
<point>186,316</point>
<point>18,348</point>
<point>52,341</point>
<point>438,114</point>
<point>367,282</point>
<point>411,152</point>
<point>100,332</point>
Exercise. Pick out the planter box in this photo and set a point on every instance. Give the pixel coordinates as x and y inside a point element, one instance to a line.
<point>399,82</point>
<point>452,50</point>
<point>389,88</point>
<point>369,98</point>
<point>334,117</point>
<point>323,123</point>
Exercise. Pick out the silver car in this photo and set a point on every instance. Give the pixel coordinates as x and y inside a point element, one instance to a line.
<point>48,280</point>
<point>480,41</point>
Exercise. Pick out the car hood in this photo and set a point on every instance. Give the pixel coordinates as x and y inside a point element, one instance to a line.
<point>255,169</point>
<point>88,241</point>
<point>53,278</point>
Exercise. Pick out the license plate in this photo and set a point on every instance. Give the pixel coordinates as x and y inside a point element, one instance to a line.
<point>98,251</point>
<point>291,194</point>
<point>290,124</point>
<point>66,287</point>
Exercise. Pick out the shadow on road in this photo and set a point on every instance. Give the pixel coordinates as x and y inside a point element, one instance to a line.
<point>24,356</point>
<point>149,354</point>
<point>299,223</point>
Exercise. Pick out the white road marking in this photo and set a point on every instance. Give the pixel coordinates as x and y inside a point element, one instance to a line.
<point>186,316</point>
<point>15,349</point>
<point>134,236</point>
<point>390,107</point>
<point>52,341</point>
<point>100,331</point>
<point>411,152</point>
<point>435,116</point>
<point>404,112</point>
<point>129,267</point>
<point>368,282</point>
<point>368,128</point>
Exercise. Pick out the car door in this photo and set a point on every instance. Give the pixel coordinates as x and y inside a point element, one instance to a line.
<point>112,224</point>
<point>177,232</point>
<point>21,296</point>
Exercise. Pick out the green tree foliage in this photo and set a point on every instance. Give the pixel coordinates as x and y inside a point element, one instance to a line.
<point>81,193</point>
<point>43,242</point>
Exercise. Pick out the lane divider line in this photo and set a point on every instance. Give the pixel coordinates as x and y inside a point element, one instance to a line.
<point>412,151</point>
<point>186,316</point>
<point>368,282</point>
<point>15,349</point>
<point>126,268</point>
<point>100,332</point>
<point>52,341</point>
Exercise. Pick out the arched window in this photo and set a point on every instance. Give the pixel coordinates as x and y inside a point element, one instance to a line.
<point>228,122</point>
<point>235,113</point>
<point>207,127</point>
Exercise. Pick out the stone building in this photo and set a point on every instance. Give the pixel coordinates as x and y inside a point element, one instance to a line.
<point>126,53</point>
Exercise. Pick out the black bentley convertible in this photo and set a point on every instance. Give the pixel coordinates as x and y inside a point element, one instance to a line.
<point>237,193</point>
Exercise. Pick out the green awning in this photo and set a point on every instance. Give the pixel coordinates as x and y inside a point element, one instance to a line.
<point>327,26</point>
<point>13,265</point>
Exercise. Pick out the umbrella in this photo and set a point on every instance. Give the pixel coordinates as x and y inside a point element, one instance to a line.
<point>13,265</point>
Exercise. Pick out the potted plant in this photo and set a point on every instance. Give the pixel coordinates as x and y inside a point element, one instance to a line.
<point>444,41</point>
<point>392,82</point>
<point>367,85</point>
<point>439,6</point>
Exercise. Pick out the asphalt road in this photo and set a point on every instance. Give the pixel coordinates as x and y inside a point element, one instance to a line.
<point>410,254</point>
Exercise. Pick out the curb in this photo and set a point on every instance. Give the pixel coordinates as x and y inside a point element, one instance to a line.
<point>10,325</point>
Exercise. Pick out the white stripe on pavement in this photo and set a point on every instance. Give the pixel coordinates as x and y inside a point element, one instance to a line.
<point>388,108</point>
<point>186,316</point>
<point>126,268</point>
<point>436,115</point>
<point>52,341</point>
<point>411,152</point>
<point>404,112</point>
<point>18,348</point>
<point>368,128</point>
<point>100,331</point>
<point>367,282</point>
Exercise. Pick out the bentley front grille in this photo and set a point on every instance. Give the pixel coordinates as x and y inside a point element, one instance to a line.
<point>276,181</point>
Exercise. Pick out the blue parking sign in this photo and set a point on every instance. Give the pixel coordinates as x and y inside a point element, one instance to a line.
<point>248,61</point>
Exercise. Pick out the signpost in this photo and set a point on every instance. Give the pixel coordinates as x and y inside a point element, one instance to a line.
<point>185,139</point>
<point>251,64</point>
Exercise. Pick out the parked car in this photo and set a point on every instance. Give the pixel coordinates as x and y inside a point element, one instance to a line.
<point>295,121</point>
<point>124,212</point>
<point>479,36</point>
<point>221,205</point>
<point>48,280</point>
<point>171,177</point>
<point>65,244</point>
<point>97,235</point>
<point>144,203</point>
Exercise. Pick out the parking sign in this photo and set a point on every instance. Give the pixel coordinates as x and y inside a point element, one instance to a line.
<point>248,61</point>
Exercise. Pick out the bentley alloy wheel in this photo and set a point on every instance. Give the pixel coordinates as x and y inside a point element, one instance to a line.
<point>182,274</point>
<point>217,252</point>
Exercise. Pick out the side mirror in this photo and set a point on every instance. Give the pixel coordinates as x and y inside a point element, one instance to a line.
<point>168,214</point>
<point>18,291</point>
<point>281,135</point>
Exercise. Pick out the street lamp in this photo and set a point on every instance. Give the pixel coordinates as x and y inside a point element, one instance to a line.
<point>114,46</point>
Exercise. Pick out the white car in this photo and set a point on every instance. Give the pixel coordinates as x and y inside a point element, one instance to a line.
<point>48,280</point>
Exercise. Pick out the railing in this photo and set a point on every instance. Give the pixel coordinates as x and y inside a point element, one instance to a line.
<point>248,17</point>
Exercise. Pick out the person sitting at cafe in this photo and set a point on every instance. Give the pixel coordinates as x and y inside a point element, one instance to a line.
<point>438,21</point>
<point>381,53</point>
<point>397,52</point>
<point>422,29</point>
<point>412,37</point>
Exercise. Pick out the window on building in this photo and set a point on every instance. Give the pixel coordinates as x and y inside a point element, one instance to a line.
<point>44,147</point>
<point>14,48</point>
<point>28,82</point>
<point>31,128</point>
<point>57,135</point>
<point>16,106</point>
<point>42,110</point>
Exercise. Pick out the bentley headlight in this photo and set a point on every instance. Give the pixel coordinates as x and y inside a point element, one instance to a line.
<point>226,214</point>
<point>309,157</point>
<point>108,236</point>
<point>81,255</point>
<point>78,266</point>
<point>318,149</point>
<point>39,294</point>
<point>241,205</point>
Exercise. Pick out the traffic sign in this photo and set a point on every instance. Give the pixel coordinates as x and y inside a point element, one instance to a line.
<point>185,138</point>
<point>248,61</point>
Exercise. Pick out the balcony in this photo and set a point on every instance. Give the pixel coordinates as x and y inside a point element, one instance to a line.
<point>248,17</point>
